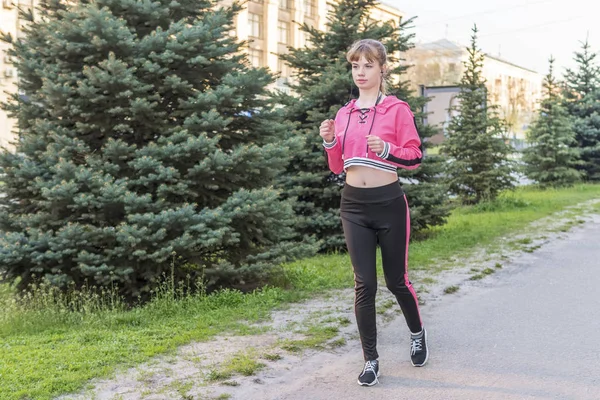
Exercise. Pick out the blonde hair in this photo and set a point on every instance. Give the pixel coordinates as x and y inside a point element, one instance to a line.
<point>372,50</point>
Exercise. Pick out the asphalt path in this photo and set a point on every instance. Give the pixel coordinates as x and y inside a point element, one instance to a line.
<point>530,331</point>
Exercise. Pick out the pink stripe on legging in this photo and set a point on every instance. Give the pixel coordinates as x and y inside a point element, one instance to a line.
<point>406,281</point>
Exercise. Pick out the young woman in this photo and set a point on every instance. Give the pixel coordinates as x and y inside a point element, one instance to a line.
<point>370,138</point>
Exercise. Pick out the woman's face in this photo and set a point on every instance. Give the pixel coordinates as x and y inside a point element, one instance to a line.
<point>366,74</point>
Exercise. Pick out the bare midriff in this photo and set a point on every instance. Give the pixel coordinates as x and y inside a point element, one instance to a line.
<point>359,176</point>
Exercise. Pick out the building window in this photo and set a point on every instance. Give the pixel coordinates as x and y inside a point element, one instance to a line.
<point>283,29</point>
<point>256,57</point>
<point>283,68</point>
<point>310,8</point>
<point>255,21</point>
<point>286,4</point>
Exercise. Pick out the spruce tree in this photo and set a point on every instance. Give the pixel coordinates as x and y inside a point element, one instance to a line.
<point>582,101</point>
<point>550,159</point>
<point>323,85</point>
<point>426,191</point>
<point>479,166</point>
<point>146,142</point>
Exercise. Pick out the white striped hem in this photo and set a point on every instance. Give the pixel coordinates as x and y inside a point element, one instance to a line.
<point>367,162</point>
<point>330,145</point>
<point>386,151</point>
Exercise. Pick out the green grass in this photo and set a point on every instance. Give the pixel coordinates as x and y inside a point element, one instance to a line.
<point>316,336</point>
<point>47,350</point>
<point>244,363</point>
<point>472,228</point>
<point>342,321</point>
<point>182,388</point>
<point>272,356</point>
<point>384,306</point>
<point>451,289</point>
<point>338,342</point>
<point>65,350</point>
<point>482,274</point>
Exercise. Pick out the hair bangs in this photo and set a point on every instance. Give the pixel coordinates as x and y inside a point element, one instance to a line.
<point>359,50</point>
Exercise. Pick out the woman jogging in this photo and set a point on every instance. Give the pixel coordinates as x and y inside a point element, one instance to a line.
<point>370,138</point>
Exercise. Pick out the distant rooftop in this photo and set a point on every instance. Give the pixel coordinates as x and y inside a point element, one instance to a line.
<point>441,44</point>
<point>445,44</point>
<point>391,5</point>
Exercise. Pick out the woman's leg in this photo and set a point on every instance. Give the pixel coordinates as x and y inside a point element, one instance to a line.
<point>362,243</point>
<point>394,223</point>
<point>394,233</point>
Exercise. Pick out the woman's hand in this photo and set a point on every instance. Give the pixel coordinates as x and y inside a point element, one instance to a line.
<point>327,130</point>
<point>376,145</point>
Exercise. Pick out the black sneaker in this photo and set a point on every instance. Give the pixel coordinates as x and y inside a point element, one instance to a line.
<point>418,348</point>
<point>370,374</point>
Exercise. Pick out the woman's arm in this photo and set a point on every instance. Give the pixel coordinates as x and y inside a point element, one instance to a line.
<point>406,152</point>
<point>334,149</point>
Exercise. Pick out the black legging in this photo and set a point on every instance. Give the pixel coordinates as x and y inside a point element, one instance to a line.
<point>371,216</point>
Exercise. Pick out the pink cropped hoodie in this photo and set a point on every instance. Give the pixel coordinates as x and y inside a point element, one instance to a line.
<point>391,120</point>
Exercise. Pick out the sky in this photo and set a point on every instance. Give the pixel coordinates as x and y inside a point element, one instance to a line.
<point>522,32</point>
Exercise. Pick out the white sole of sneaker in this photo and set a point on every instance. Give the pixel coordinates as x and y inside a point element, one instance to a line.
<point>426,356</point>
<point>375,382</point>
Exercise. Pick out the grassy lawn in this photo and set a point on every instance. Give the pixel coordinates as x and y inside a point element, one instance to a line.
<point>46,350</point>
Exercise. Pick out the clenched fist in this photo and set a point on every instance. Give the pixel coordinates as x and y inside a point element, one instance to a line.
<point>376,145</point>
<point>327,130</point>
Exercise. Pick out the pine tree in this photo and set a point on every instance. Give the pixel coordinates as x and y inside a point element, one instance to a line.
<point>582,100</point>
<point>146,142</point>
<point>550,159</point>
<point>479,165</point>
<point>426,192</point>
<point>323,85</point>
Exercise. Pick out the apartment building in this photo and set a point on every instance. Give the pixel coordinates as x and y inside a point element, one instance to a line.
<point>438,68</point>
<point>9,23</point>
<point>270,26</point>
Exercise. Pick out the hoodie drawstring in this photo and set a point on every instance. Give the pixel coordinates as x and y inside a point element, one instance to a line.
<point>370,129</point>
<point>345,131</point>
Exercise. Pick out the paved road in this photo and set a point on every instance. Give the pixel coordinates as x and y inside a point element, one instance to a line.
<point>531,331</point>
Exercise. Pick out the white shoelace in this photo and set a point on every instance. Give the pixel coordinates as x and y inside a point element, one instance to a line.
<point>416,345</point>
<point>369,367</point>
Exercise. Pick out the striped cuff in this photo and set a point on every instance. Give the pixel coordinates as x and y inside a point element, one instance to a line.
<point>330,145</point>
<point>386,151</point>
